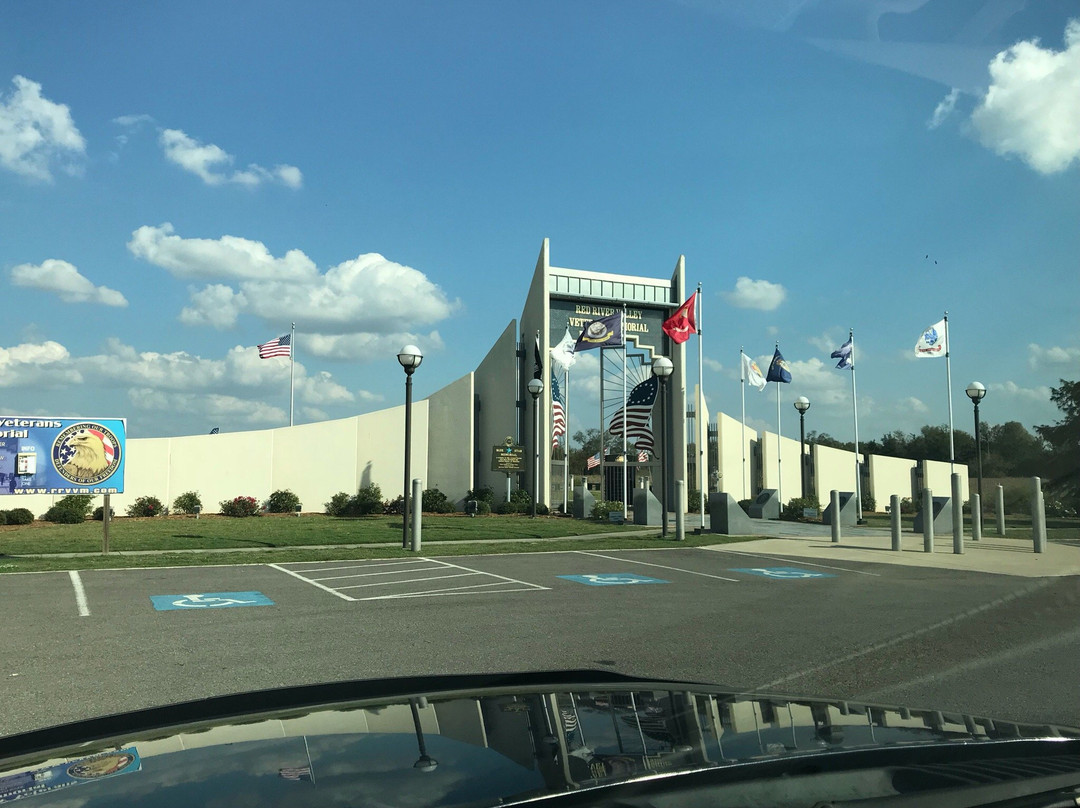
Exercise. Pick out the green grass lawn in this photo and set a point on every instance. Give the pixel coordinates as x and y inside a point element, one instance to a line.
<point>220,532</point>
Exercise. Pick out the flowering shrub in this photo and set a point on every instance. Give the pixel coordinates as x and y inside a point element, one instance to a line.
<point>187,502</point>
<point>241,506</point>
<point>145,506</point>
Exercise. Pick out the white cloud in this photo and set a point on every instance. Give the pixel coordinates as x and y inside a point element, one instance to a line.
<point>210,405</point>
<point>1040,394</point>
<point>1055,357</point>
<point>35,132</point>
<point>751,294</point>
<point>944,109</point>
<point>712,364</point>
<point>353,310</point>
<point>43,364</point>
<point>212,164</point>
<point>215,305</point>
<point>819,382</point>
<point>1032,108</point>
<point>133,121</point>
<point>63,279</point>
<point>912,404</point>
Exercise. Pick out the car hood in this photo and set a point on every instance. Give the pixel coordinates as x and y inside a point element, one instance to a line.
<point>454,741</point>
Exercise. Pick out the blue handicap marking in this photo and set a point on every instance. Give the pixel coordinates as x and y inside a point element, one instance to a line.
<point>209,600</point>
<point>613,579</point>
<point>783,573</point>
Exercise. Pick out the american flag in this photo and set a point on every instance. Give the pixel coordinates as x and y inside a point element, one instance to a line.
<point>637,411</point>
<point>643,456</point>
<point>282,346</point>
<point>558,412</point>
<point>295,773</point>
<point>592,462</point>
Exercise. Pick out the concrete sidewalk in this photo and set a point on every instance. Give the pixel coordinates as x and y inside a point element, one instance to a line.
<point>874,546</point>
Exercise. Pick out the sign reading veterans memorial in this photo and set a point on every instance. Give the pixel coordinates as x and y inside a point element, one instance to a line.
<point>508,458</point>
<point>40,455</point>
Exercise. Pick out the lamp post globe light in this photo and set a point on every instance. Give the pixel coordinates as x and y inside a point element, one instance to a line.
<point>410,358</point>
<point>662,367</point>
<point>802,404</point>
<point>536,387</point>
<point>976,391</point>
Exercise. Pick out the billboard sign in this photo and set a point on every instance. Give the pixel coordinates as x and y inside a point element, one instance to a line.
<point>41,455</point>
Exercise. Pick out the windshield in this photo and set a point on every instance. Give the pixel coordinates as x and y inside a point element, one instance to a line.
<point>708,341</point>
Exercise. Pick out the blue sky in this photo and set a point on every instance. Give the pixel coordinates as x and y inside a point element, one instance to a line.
<point>178,182</point>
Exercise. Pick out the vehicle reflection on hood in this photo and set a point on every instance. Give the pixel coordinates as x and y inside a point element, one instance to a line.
<point>487,748</point>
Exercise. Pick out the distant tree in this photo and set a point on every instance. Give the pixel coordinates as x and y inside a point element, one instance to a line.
<point>825,439</point>
<point>1063,462</point>
<point>588,442</point>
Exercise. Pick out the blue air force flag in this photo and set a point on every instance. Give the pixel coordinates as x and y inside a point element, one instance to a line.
<point>778,370</point>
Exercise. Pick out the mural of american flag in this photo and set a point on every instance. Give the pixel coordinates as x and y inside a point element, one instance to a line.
<point>638,409</point>
<point>558,412</point>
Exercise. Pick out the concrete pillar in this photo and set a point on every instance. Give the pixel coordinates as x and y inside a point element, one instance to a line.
<point>417,498</point>
<point>976,517</point>
<point>1038,515</point>
<point>1001,510</point>
<point>928,520</point>
<point>957,515</point>
<point>894,520</point>
<point>680,516</point>
<point>834,500</point>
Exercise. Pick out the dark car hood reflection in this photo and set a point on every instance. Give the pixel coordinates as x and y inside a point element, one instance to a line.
<point>488,747</point>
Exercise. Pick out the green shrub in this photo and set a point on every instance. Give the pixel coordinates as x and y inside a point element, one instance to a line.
<point>693,501</point>
<point>906,505</point>
<point>145,506</point>
<point>19,516</point>
<point>70,510</point>
<point>793,511</point>
<point>283,502</point>
<point>505,508</point>
<point>3,517</point>
<point>542,509</point>
<point>240,507</point>
<point>519,496</point>
<point>869,504</point>
<point>368,500</point>
<point>483,507</point>
<point>485,494</point>
<point>602,507</point>
<point>187,502</point>
<point>395,506</point>
<point>1057,508</point>
<point>338,504</point>
<point>99,513</point>
<point>435,501</point>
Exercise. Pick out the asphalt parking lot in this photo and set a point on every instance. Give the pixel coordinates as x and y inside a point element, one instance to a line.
<point>100,641</point>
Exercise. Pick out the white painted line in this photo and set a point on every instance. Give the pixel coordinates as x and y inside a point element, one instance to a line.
<point>796,560</point>
<point>313,583</point>
<point>450,591</point>
<point>369,574</point>
<point>364,566</point>
<point>661,566</point>
<point>80,594</point>
<point>493,575</point>
<point>411,580</point>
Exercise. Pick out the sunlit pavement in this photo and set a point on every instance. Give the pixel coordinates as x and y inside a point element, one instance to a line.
<point>1003,645</point>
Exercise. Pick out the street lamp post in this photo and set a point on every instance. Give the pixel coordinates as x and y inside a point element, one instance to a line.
<point>802,404</point>
<point>976,392</point>
<point>662,368</point>
<point>536,387</point>
<point>410,358</point>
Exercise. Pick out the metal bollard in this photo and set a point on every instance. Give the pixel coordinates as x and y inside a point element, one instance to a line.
<point>834,501</point>
<point>1001,510</point>
<point>894,520</point>
<point>680,516</point>
<point>976,517</point>
<point>417,503</point>
<point>928,520</point>
<point>1038,516</point>
<point>957,515</point>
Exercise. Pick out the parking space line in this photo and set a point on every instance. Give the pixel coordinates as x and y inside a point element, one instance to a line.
<point>450,591</point>
<point>313,583</point>
<point>368,565</point>
<point>368,574</point>
<point>661,566</point>
<point>80,594</point>
<point>795,560</point>
<point>411,580</point>
<point>493,575</point>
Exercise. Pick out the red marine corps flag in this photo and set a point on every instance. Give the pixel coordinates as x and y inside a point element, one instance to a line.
<point>682,324</point>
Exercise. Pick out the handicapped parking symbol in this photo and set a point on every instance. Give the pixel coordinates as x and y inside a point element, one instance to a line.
<point>783,573</point>
<point>210,600</point>
<point>612,579</point>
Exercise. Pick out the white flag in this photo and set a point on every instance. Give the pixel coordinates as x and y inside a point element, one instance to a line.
<point>563,354</point>
<point>753,373</point>
<point>933,341</point>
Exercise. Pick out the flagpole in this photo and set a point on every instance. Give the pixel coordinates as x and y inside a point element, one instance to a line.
<point>742,388</point>
<point>779,470</point>
<point>703,426</point>
<point>625,480</point>
<point>948,382</point>
<point>603,446</point>
<point>855,408</point>
<point>292,363</point>
<point>566,437</point>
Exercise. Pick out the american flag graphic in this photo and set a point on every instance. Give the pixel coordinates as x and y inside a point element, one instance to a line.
<point>558,412</point>
<point>637,410</point>
<point>282,346</point>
